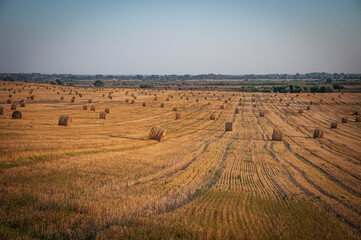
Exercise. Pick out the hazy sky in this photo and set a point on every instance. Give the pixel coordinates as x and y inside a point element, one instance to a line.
<point>184,36</point>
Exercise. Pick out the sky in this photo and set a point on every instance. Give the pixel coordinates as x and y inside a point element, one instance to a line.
<point>180,37</point>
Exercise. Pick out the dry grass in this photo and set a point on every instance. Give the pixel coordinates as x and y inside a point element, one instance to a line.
<point>106,180</point>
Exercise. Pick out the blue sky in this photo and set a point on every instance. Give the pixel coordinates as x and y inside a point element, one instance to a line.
<point>180,37</point>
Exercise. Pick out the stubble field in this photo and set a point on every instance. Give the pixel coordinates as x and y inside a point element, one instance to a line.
<point>104,179</point>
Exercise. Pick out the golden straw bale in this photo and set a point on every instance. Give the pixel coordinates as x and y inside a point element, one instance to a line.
<point>157,133</point>
<point>102,115</point>
<point>2,110</point>
<point>17,115</point>
<point>65,120</point>
<point>277,135</point>
<point>229,126</point>
<point>318,133</point>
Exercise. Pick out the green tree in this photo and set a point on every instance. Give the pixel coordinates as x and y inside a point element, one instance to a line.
<point>98,83</point>
<point>59,82</point>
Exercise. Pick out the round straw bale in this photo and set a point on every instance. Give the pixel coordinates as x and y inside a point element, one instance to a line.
<point>90,101</point>
<point>61,98</point>
<point>9,101</point>
<point>254,105</point>
<point>167,99</point>
<point>344,120</point>
<point>162,105</point>
<point>333,125</point>
<point>85,107</point>
<point>127,100</point>
<point>13,106</point>
<point>23,104</point>
<point>358,119</point>
<point>93,108</point>
<point>157,133</point>
<point>102,115</point>
<point>318,133</point>
<point>287,104</point>
<point>107,110</point>
<point>300,110</point>
<point>144,104</point>
<point>261,113</point>
<point>64,120</point>
<point>177,115</point>
<point>229,126</point>
<point>308,107</point>
<point>72,100</point>
<point>197,100</point>
<point>32,97</point>
<point>221,107</point>
<point>2,110</point>
<point>277,135</point>
<point>236,111</point>
<point>17,115</point>
<point>175,109</point>
<point>132,101</point>
<point>212,116</point>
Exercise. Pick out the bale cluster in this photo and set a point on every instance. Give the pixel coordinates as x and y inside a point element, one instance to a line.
<point>157,133</point>
<point>65,120</point>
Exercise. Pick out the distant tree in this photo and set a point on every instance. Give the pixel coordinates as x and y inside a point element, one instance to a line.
<point>59,82</point>
<point>337,86</point>
<point>329,80</point>
<point>98,83</point>
<point>53,83</point>
<point>329,88</point>
<point>8,79</point>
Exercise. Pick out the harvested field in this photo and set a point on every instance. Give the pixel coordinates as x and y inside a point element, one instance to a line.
<point>105,179</point>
